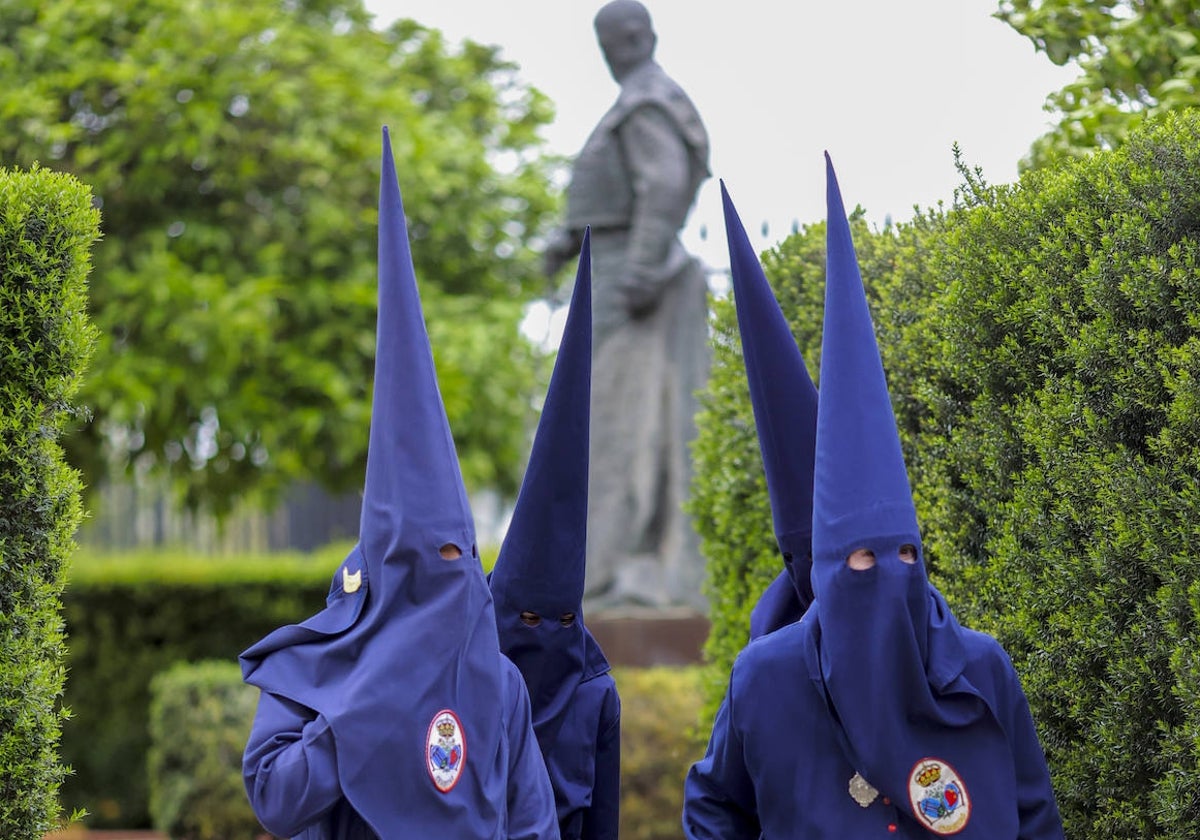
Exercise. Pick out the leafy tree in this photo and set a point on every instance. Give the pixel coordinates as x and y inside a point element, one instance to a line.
<point>1137,58</point>
<point>234,149</point>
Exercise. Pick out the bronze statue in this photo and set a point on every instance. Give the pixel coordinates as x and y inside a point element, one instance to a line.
<point>634,183</point>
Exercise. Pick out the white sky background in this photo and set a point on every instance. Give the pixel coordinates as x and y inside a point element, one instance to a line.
<point>886,86</point>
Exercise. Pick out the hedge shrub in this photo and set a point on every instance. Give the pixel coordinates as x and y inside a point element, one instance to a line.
<point>130,618</point>
<point>200,718</point>
<point>1065,456</point>
<point>660,739</point>
<point>1042,343</point>
<point>201,713</point>
<point>47,227</point>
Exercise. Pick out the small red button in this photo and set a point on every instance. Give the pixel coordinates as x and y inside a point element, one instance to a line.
<point>891,826</point>
<point>887,801</point>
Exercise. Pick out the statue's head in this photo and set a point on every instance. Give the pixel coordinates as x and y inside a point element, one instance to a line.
<point>626,36</point>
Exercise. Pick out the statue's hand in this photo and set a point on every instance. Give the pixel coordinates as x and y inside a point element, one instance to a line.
<point>552,262</point>
<point>640,296</point>
<point>561,247</point>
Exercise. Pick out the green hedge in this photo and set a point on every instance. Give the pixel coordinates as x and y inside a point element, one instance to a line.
<point>47,227</point>
<point>1064,459</point>
<point>130,618</point>
<point>1042,342</point>
<point>660,739</point>
<point>200,716</point>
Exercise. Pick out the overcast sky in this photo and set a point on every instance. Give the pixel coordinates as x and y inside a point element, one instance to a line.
<point>885,86</point>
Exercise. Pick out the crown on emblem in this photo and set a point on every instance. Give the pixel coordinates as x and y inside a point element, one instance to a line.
<point>929,775</point>
<point>445,727</point>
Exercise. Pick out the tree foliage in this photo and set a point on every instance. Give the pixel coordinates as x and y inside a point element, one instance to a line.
<point>234,148</point>
<point>1137,58</point>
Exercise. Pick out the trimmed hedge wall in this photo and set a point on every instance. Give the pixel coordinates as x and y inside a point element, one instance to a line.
<point>47,227</point>
<point>1042,343</point>
<point>130,618</point>
<point>200,717</point>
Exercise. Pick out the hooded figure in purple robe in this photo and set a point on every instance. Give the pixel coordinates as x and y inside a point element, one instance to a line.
<point>784,400</point>
<point>876,714</point>
<point>392,713</point>
<point>538,583</point>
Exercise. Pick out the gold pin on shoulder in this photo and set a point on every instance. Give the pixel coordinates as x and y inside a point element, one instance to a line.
<point>351,582</point>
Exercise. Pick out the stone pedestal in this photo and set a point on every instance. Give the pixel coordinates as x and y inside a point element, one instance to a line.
<point>639,638</point>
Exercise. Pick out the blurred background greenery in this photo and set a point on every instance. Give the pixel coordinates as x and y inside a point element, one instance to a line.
<point>233,150</point>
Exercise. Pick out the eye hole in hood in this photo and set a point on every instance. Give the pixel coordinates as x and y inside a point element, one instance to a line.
<point>530,619</point>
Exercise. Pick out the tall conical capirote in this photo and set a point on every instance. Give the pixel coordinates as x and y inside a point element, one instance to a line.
<point>784,400</point>
<point>891,653</point>
<point>413,480</point>
<point>541,561</point>
<point>537,582</point>
<point>406,654</point>
<point>861,483</point>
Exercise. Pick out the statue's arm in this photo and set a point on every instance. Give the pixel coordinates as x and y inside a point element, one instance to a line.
<point>562,245</point>
<point>658,162</point>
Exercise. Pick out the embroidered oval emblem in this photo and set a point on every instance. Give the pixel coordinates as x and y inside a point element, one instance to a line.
<point>938,796</point>
<point>446,751</point>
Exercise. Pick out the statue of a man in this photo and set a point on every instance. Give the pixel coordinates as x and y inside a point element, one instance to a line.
<point>634,183</point>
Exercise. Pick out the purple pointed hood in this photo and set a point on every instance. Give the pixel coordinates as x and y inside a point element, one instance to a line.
<point>414,491</point>
<point>541,562</point>
<point>891,652</point>
<point>404,660</point>
<point>861,485</point>
<point>785,415</point>
<point>539,573</point>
